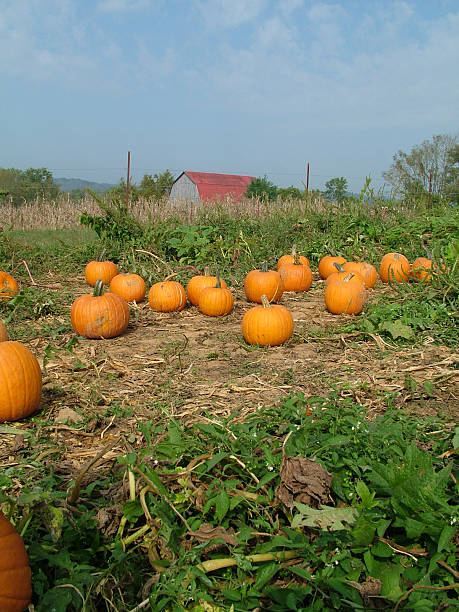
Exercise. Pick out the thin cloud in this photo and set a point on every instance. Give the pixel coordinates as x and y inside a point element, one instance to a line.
<point>229,13</point>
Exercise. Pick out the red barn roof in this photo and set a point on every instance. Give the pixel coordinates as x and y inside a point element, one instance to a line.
<point>213,186</point>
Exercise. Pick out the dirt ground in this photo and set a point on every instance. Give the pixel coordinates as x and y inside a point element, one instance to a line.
<point>197,368</point>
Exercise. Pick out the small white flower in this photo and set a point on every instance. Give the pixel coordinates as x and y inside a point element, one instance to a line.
<point>352,428</point>
<point>270,468</point>
<point>453,521</point>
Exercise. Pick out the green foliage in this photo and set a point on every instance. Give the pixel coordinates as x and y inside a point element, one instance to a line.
<point>290,193</point>
<point>391,514</point>
<point>26,185</point>
<point>156,186</point>
<point>117,225</point>
<point>335,189</point>
<point>262,188</point>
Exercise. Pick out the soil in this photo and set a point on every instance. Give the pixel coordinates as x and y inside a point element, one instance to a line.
<point>192,367</point>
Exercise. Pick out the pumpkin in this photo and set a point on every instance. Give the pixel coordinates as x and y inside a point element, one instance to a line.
<point>326,266</point>
<point>288,259</point>
<point>104,270</point>
<point>345,296</point>
<point>216,301</point>
<point>3,332</point>
<point>394,267</point>
<point>268,324</point>
<point>420,269</point>
<point>197,283</point>
<point>8,286</point>
<point>167,296</point>
<point>296,276</point>
<point>15,574</point>
<point>131,287</point>
<point>99,314</point>
<point>363,269</point>
<point>20,381</point>
<point>341,274</point>
<point>264,281</point>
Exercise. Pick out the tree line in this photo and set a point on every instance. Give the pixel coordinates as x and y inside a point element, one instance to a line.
<point>429,168</point>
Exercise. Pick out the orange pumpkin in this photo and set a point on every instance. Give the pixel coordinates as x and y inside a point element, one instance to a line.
<point>20,381</point>
<point>104,270</point>
<point>99,314</point>
<point>8,286</point>
<point>264,281</point>
<point>344,296</point>
<point>420,269</point>
<point>363,269</point>
<point>3,332</point>
<point>216,301</point>
<point>326,266</point>
<point>394,267</point>
<point>341,274</point>
<point>15,574</point>
<point>131,287</point>
<point>167,296</point>
<point>296,276</point>
<point>268,324</point>
<point>198,283</point>
<point>288,259</point>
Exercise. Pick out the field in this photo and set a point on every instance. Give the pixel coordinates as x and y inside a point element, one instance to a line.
<point>176,467</point>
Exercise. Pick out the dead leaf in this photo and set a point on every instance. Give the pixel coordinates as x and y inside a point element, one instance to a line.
<point>207,532</point>
<point>67,415</point>
<point>304,481</point>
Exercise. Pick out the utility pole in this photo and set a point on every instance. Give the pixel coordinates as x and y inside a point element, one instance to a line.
<point>128,178</point>
<point>307,182</point>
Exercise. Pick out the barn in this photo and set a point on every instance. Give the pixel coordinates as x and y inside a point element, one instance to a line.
<point>208,186</point>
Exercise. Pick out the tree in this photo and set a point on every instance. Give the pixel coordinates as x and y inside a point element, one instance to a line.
<point>156,186</point>
<point>262,188</point>
<point>335,189</point>
<point>290,193</point>
<point>26,185</point>
<point>431,161</point>
<point>452,176</point>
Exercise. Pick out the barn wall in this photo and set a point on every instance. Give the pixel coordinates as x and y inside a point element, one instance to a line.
<point>184,189</point>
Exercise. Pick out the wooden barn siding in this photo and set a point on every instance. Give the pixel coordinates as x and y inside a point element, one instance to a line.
<point>184,189</point>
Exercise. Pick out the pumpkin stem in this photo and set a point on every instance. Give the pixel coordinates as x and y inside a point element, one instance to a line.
<point>206,271</point>
<point>102,255</point>
<point>293,250</point>
<point>296,260</point>
<point>348,277</point>
<point>265,301</point>
<point>339,267</point>
<point>264,266</point>
<point>218,284</point>
<point>98,288</point>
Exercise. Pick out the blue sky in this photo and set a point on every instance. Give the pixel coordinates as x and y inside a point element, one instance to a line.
<point>240,86</point>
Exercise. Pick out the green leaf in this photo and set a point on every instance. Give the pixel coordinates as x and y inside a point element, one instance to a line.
<point>397,329</point>
<point>363,532</point>
<point>446,536</point>
<point>327,518</point>
<point>265,573</point>
<point>222,504</point>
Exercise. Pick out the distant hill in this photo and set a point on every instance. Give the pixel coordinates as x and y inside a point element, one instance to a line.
<point>71,184</point>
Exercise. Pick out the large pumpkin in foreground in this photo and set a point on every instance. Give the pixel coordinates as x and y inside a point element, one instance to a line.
<point>99,314</point>
<point>15,574</point>
<point>20,381</point>
<point>268,324</point>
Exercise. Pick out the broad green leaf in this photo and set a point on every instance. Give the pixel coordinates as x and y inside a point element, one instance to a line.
<point>265,573</point>
<point>327,518</point>
<point>222,504</point>
<point>397,329</point>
